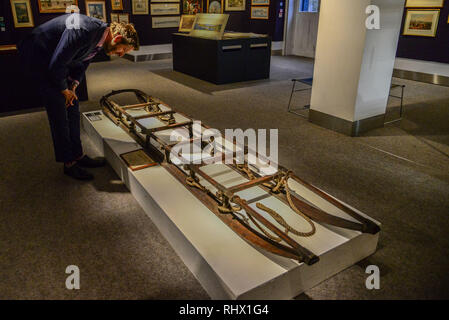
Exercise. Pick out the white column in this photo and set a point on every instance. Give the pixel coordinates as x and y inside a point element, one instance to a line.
<point>354,65</point>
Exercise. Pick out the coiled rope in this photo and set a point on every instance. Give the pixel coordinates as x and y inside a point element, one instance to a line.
<point>282,184</point>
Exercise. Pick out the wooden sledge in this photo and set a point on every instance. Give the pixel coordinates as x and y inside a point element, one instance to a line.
<point>224,202</point>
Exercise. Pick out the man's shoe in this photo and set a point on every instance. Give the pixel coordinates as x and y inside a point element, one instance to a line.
<point>91,163</point>
<point>77,172</point>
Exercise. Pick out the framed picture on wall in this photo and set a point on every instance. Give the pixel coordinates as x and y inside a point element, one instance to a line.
<point>160,9</point>
<point>259,12</point>
<point>424,4</point>
<point>55,6</point>
<point>96,9</point>
<point>214,6</point>
<point>22,14</point>
<point>140,6</point>
<point>186,23</point>
<point>114,17</point>
<point>422,23</point>
<point>192,6</point>
<point>260,2</point>
<point>117,4</point>
<point>165,22</point>
<point>123,17</point>
<point>235,5</point>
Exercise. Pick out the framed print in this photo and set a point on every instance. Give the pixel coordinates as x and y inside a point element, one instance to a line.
<point>21,11</point>
<point>160,9</point>
<point>192,6</point>
<point>214,6</point>
<point>235,5</point>
<point>424,4</point>
<point>165,22</point>
<point>117,4</point>
<point>55,6</point>
<point>186,23</point>
<point>8,47</point>
<point>114,17</point>
<point>260,2</point>
<point>259,12</point>
<point>123,17</point>
<point>140,6</point>
<point>96,9</point>
<point>209,26</point>
<point>422,23</point>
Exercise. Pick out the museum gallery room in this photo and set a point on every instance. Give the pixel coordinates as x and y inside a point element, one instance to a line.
<point>224,149</point>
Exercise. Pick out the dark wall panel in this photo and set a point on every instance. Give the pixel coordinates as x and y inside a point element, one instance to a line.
<point>426,48</point>
<point>13,35</point>
<point>238,21</point>
<point>422,48</point>
<point>262,26</point>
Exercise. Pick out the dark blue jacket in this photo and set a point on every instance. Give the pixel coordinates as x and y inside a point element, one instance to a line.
<point>56,52</point>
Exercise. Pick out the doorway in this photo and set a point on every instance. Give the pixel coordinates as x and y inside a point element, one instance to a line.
<point>301,28</point>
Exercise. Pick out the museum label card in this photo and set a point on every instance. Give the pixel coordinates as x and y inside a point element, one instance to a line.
<point>138,159</point>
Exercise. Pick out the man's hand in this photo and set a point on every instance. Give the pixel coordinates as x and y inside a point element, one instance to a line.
<point>70,96</point>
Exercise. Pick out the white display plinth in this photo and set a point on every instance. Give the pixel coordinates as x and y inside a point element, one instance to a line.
<point>227,266</point>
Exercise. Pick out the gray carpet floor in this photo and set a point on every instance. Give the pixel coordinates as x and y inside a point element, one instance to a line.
<point>398,175</point>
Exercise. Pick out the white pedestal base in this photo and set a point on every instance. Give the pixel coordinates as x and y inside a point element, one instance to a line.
<point>226,266</point>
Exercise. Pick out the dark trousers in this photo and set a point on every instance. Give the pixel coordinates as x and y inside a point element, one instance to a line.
<point>64,125</point>
<point>64,122</point>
